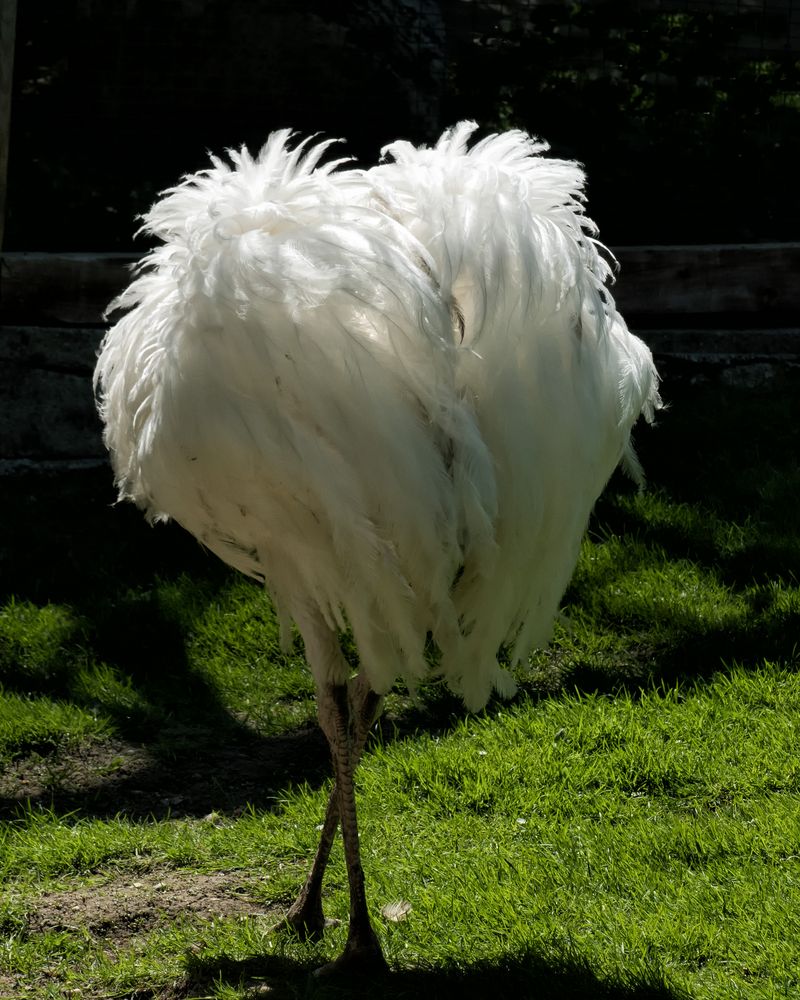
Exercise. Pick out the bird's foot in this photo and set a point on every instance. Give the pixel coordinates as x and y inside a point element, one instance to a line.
<point>362,957</point>
<point>306,921</point>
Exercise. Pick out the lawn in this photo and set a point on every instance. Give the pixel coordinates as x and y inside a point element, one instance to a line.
<point>627,827</point>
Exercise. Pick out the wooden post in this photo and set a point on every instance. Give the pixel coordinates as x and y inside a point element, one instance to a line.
<point>8,24</point>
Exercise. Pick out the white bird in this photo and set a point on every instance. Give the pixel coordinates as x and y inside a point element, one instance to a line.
<point>391,395</point>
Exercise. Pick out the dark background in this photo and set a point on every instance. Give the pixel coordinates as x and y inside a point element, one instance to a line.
<point>686,114</point>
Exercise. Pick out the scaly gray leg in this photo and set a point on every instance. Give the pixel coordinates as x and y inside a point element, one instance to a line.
<point>305,916</point>
<point>362,953</point>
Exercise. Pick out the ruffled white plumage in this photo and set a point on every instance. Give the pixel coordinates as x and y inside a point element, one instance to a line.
<point>394,395</point>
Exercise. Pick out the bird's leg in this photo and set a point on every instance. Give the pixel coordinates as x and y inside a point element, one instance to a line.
<point>365,707</point>
<point>362,952</point>
<point>305,916</point>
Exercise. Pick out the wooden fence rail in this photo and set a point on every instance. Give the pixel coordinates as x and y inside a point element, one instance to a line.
<point>726,303</point>
<point>655,284</point>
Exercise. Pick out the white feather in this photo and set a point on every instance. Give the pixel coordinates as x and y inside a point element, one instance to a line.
<point>392,395</point>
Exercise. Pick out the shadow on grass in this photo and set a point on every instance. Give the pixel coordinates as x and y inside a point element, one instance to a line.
<point>92,569</point>
<point>97,572</point>
<point>694,651</point>
<point>726,464</point>
<point>530,975</point>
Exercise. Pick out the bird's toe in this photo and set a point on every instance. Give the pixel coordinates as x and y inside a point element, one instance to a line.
<point>359,959</point>
<point>307,926</point>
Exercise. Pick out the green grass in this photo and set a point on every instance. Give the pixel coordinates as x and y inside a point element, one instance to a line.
<point>628,827</point>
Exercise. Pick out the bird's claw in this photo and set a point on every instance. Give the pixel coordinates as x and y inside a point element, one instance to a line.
<point>306,927</point>
<point>357,960</point>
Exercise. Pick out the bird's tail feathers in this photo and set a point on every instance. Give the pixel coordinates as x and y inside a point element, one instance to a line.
<point>287,351</point>
<point>498,218</point>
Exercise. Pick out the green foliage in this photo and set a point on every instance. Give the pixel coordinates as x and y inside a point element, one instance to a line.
<point>687,120</point>
<point>686,137</point>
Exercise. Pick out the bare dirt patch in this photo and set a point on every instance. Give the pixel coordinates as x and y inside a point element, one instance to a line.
<point>135,904</point>
<point>188,773</point>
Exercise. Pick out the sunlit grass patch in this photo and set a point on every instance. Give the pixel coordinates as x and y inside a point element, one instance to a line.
<point>657,827</point>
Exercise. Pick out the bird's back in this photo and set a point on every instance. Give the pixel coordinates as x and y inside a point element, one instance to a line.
<point>392,395</point>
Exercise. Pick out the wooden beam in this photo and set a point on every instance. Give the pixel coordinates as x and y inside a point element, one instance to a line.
<point>755,280</point>
<point>8,28</point>
<point>52,313</point>
<point>61,289</point>
<point>754,285</point>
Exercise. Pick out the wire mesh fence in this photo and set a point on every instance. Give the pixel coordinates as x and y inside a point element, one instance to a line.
<point>685,112</point>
